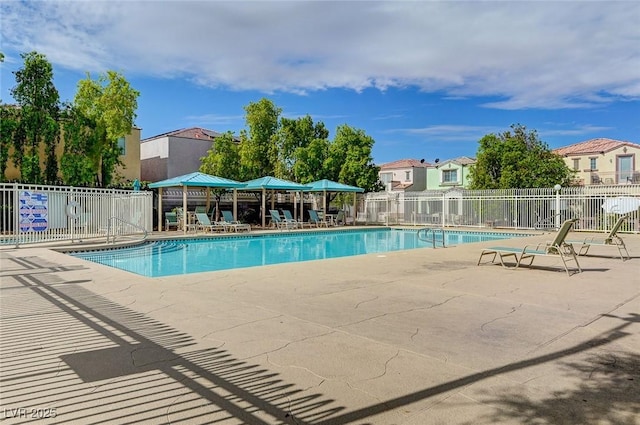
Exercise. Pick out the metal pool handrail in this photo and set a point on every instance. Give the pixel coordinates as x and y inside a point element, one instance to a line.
<point>110,226</point>
<point>423,235</point>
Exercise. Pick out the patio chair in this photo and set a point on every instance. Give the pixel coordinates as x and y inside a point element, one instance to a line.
<point>289,218</point>
<point>314,218</point>
<point>171,220</point>
<point>203,223</point>
<point>231,224</point>
<point>280,222</point>
<point>557,248</point>
<point>201,209</point>
<point>612,239</point>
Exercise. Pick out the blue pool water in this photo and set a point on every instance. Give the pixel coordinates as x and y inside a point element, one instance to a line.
<point>183,256</point>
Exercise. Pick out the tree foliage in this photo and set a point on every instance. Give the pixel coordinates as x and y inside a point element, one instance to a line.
<point>9,121</point>
<point>517,159</point>
<point>258,147</point>
<point>109,103</point>
<point>222,160</point>
<point>79,162</point>
<point>295,134</point>
<point>38,127</point>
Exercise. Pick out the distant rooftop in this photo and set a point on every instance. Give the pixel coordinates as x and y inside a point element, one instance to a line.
<point>188,133</point>
<point>461,160</point>
<point>405,163</point>
<point>593,146</point>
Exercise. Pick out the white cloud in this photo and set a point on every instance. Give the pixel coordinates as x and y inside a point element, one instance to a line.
<point>525,54</point>
<point>463,133</point>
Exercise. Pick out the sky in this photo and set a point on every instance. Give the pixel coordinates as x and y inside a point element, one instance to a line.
<point>424,79</point>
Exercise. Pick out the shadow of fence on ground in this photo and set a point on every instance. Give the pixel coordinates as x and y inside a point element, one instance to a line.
<point>94,361</point>
<point>89,360</point>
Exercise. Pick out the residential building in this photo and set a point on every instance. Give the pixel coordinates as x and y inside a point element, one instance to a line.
<point>603,161</point>
<point>453,173</point>
<point>175,153</point>
<point>404,175</point>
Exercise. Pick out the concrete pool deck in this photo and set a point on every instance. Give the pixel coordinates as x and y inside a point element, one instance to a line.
<point>409,337</point>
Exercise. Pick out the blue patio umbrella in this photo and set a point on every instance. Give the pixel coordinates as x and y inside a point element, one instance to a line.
<point>196,179</point>
<point>272,183</point>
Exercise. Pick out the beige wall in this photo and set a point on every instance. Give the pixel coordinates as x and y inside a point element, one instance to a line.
<point>131,159</point>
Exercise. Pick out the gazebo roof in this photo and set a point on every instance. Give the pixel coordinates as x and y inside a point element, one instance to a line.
<point>198,179</point>
<point>273,183</point>
<point>331,186</point>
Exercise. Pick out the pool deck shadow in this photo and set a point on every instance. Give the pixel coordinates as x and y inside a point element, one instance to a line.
<point>408,337</point>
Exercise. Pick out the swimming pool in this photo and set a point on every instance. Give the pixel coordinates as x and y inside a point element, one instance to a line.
<point>183,256</point>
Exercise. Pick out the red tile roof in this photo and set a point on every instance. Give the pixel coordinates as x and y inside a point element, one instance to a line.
<point>189,133</point>
<point>593,146</point>
<point>405,163</point>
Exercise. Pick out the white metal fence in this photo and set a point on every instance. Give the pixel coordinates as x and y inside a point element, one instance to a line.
<point>37,213</point>
<point>513,209</point>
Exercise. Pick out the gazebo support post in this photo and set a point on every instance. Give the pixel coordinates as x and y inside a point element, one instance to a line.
<point>159,209</point>
<point>184,209</point>
<point>355,206</point>
<point>235,203</point>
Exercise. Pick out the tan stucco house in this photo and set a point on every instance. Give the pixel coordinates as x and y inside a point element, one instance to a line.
<point>603,161</point>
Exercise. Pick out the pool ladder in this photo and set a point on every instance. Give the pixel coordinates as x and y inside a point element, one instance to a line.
<point>428,234</point>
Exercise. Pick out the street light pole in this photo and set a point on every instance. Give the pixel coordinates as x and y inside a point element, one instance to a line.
<point>557,188</point>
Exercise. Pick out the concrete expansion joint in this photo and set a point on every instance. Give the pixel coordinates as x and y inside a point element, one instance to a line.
<point>365,301</point>
<point>386,364</point>
<point>513,310</point>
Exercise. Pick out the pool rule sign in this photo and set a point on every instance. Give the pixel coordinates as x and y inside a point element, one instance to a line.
<point>33,211</point>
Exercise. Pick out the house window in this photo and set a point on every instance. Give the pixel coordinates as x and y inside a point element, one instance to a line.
<point>386,178</point>
<point>592,164</point>
<point>122,146</point>
<point>450,176</point>
<point>576,164</point>
<point>407,176</point>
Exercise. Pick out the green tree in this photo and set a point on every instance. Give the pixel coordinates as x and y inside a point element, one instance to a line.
<point>310,161</point>
<point>111,103</point>
<point>517,159</point>
<point>350,161</point>
<point>9,121</point>
<point>294,134</point>
<point>258,146</point>
<point>78,163</point>
<point>222,160</point>
<point>38,100</point>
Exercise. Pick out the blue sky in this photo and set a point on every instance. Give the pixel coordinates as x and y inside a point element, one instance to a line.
<point>425,79</point>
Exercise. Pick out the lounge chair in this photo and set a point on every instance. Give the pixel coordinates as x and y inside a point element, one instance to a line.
<point>557,248</point>
<point>315,219</point>
<point>612,239</point>
<point>203,223</point>
<point>171,220</point>
<point>231,224</point>
<point>289,218</point>
<point>280,222</point>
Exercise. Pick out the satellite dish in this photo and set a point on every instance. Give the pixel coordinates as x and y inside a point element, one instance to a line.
<point>437,160</point>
